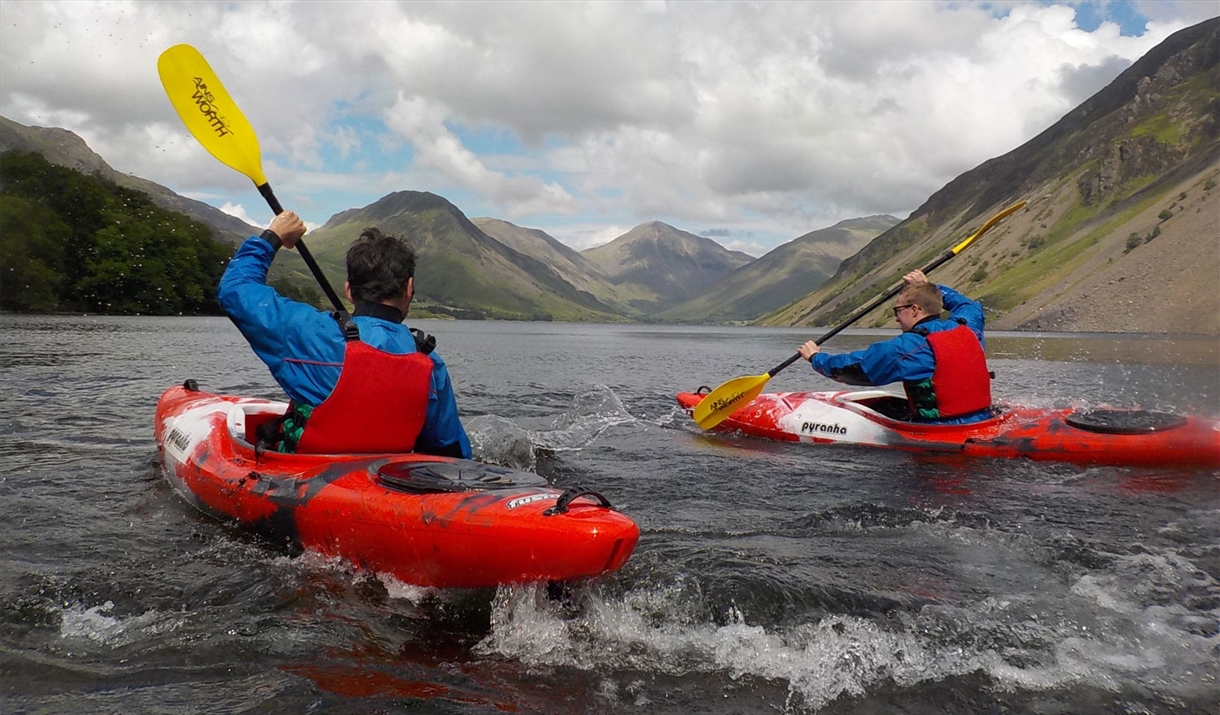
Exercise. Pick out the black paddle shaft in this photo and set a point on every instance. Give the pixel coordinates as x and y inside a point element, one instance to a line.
<point>940,260</point>
<point>274,203</point>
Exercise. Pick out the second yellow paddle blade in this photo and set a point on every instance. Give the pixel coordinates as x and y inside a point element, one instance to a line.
<point>209,112</point>
<point>727,399</point>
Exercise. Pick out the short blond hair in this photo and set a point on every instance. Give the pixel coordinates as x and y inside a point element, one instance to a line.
<point>925,295</point>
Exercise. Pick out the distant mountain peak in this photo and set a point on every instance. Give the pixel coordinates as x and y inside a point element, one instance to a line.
<point>664,262</point>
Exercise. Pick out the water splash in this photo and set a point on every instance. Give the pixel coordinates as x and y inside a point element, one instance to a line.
<point>1132,627</point>
<point>498,440</point>
<point>80,623</point>
<point>593,411</point>
<point>501,441</point>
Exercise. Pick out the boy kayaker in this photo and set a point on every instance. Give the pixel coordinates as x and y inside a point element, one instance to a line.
<point>940,363</point>
<point>368,386</point>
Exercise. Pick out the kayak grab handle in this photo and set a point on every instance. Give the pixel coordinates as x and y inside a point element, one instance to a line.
<point>569,495</point>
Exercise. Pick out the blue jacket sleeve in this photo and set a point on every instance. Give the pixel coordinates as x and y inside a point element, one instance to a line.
<point>964,309</point>
<point>442,428</point>
<point>906,357</point>
<point>278,328</point>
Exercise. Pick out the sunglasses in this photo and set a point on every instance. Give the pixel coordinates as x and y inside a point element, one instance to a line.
<point>899,308</point>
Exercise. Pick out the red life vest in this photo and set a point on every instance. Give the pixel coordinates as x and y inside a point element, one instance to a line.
<point>378,405</point>
<point>961,380</point>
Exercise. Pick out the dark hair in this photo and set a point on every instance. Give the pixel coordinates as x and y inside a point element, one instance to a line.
<point>378,266</point>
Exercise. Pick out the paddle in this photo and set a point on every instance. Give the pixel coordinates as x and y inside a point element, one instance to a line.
<point>738,392</point>
<point>214,118</point>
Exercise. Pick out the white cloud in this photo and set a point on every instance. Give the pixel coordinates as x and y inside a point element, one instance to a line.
<point>778,118</point>
<point>585,236</point>
<point>750,247</point>
<point>240,212</point>
<point>438,149</point>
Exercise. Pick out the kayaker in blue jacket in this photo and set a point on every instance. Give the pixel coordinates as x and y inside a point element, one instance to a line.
<point>391,398</point>
<point>940,363</point>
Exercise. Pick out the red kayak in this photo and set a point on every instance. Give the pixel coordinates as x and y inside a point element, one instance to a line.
<point>873,417</point>
<point>427,521</point>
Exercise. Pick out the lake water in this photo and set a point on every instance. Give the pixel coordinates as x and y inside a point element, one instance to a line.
<point>768,578</point>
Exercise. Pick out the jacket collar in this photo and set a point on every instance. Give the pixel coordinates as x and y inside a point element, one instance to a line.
<point>379,310</point>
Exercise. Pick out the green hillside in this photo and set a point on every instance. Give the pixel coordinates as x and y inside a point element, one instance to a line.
<point>660,266</point>
<point>72,242</point>
<point>781,276</point>
<point>461,272</point>
<point>1121,198</point>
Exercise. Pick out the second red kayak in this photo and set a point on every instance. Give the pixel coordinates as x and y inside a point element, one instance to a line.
<point>1103,436</point>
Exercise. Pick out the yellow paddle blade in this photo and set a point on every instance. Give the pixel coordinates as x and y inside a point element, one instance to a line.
<point>209,112</point>
<point>993,221</point>
<point>727,399</point>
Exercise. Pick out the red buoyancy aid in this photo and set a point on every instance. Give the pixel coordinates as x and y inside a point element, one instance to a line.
<point>961,381</point>
<point>378,405</point>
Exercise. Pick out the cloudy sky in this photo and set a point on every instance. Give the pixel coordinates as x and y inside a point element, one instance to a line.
<point>751,123</point>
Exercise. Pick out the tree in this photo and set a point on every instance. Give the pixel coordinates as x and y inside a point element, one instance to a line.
<point>1133,241</point>
<point>73,241</point>
<point>31,255</point>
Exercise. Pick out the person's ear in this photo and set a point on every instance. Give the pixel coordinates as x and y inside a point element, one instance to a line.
<point>409,288</point>
<point>347,289</point>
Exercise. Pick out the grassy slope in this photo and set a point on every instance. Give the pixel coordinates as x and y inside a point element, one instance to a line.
<point>460,270</point>
<point>781,276</point>
<point>1147,144</point>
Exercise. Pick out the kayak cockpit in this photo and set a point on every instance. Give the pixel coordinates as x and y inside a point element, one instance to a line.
<point>244,419</point>
<point>879,402</point>
<point>894,411</point>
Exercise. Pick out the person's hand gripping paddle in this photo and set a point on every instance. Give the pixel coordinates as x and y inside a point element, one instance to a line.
<point>738,392</point>
<point>217,122</point>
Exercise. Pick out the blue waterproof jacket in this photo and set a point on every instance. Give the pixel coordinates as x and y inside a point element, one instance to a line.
<point>304,346</point>
<point>908,357</point>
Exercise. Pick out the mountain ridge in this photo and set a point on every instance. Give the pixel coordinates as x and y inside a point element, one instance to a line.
<point>1102,183</point>
<point>1122,205</point>
<point>65,148</point>
<point>461,271</point>
<point>782,275</point>
<point>663,264</point>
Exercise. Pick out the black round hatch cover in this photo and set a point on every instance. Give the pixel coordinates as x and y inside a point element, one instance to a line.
<point>1124,421</point>
<point>459,475</point>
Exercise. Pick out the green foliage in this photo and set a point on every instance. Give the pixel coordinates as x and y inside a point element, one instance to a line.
<point>1156,231</point>
<point>1057,257</point>
<point>979,275</point>
<point>1133,241</point>
<point>1209,185</point>
<point>32,242</point>
<point>1161,128</point>
<point>1165,215</point>
<point>1034,242</point>
<point>73,242</point>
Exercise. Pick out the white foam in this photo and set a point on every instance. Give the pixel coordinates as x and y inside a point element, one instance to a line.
<point>80,623</point>
<point>416,595</point>
<point>1105,639</point>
